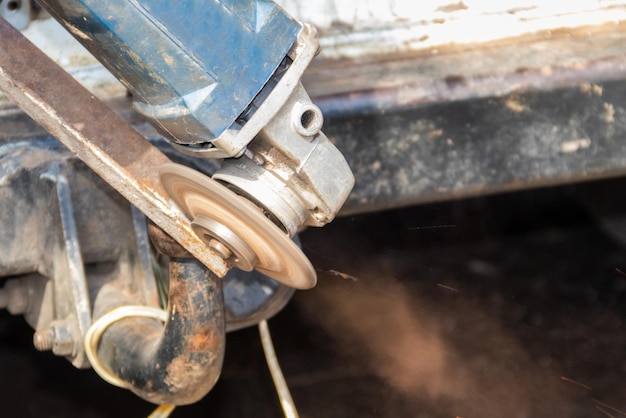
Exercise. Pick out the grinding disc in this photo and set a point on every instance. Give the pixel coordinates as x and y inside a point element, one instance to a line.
<point>247,232</point>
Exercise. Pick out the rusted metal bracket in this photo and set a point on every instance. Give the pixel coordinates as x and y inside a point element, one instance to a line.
<point>99,137</point>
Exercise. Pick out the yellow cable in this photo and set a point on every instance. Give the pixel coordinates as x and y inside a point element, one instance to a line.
<point>95,331</point>
<point>93,335</point>
<point>92,339</point>
<point>286,401</point>
<point>162,411</point>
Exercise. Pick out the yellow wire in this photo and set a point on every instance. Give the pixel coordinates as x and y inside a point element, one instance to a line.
<point>162,411</point>
<point>95,331</point>
<point>92,339</point>
<point>284,396</point>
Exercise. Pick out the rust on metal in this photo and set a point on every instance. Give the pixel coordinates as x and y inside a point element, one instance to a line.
<point>178,363</point>
<point>562,58</point>
<point>99,137</point>
<point>165,244</point>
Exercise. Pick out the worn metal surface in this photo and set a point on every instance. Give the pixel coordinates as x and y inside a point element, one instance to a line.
<point>357,29</point>
<point>180,362</point>
<point>514,142</point>
<point>99,137</point>
<point>49,36</point>
<point>542,61</point>
<point>72,313</point>
<point>484,146</point>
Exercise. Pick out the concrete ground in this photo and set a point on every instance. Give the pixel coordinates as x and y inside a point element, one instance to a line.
<point>507,306</point>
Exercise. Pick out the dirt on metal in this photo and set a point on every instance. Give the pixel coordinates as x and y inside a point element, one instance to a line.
<point>99,137</point>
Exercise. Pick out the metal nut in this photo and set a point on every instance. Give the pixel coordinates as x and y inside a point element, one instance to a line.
<point>63,342</point>
<point>58,337</point>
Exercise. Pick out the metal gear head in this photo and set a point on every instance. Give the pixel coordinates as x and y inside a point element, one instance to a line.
<point>237,229</point>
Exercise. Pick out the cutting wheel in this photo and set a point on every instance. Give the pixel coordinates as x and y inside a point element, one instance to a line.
<point>218,214</point>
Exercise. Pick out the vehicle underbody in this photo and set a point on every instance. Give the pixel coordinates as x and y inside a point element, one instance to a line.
<point>143,220</point>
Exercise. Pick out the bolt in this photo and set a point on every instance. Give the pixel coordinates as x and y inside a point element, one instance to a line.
<point>43,340</point>
<point>220,249</point>
<point>58,338</point>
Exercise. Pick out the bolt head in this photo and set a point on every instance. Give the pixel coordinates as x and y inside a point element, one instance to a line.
<point>63,341</point>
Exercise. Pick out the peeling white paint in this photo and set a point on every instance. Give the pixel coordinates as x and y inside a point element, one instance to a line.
<point>361,28</point>
<point>354,28</point>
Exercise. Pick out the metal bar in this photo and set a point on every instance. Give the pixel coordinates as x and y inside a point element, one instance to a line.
<point>70,282</point>
<point>455,73</point>
<point>99,137</point>
<point>479,147</point>
<point>149,281</point>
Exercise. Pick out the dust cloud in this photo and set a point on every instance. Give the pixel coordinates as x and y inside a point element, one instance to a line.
<point>446,359</point>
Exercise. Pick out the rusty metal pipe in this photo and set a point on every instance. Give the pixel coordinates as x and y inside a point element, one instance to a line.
<point>178,363</point>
